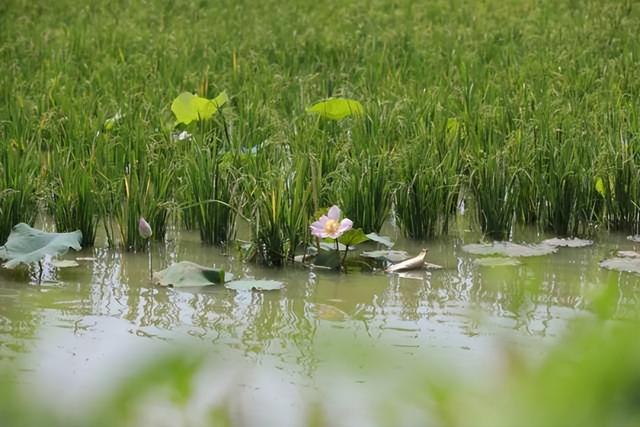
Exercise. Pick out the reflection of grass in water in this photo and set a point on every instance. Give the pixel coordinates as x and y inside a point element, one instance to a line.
<point>590,378</point>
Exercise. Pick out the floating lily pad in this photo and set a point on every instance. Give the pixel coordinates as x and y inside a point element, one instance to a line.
<point>337,108</point>
<point>509,249</point>
<point>383,240</point>
<point>186,274</point>
<point>27,245</point>
<point>496,261</point>
<point>627,264</point>
<point>64,263</point>
<point>568,243</point>
<point>252,284</point>
<point>628,254</point>
<point>387,255</point>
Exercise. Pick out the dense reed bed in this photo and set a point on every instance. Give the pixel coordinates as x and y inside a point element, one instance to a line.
<point>525,110</point>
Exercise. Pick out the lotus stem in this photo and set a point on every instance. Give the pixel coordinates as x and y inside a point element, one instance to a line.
<point>150,262</point>
<point>40,270</point>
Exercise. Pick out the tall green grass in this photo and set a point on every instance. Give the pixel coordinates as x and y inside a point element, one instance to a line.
<point>545,90</point>
<point>212,190</point>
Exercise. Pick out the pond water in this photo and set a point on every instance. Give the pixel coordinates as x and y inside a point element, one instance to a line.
<point>80,329</point>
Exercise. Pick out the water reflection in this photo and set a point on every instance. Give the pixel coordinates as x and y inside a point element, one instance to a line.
<point>448,307</point>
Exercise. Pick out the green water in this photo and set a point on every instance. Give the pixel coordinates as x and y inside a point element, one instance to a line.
<point>82,328</point>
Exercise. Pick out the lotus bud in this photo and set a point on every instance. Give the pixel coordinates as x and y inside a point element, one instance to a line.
<point>144,228</point>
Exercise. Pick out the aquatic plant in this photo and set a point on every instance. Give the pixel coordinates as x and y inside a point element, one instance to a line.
<point>337,235</point>
<point>330,225</point>
<point>18,186</point>
<point>494,185</point>
<point>428,185</point>
<point>27,245</point>
<point>280,214</point>
<point>145,231</point>
<point>211,187</point>
<point>366,189</point>
<point>73,200</point>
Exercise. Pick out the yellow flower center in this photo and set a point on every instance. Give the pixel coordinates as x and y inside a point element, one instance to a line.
<point>331,226</point>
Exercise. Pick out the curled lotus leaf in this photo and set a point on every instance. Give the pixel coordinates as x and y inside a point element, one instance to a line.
<point>186,274</point>
<point>27,245</point>
<point>383,240</point>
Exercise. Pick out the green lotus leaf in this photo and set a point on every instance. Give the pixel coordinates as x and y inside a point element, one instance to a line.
<point>353,237</point>
<point>388,255</point>
<point>383,240</point>
<point>27,245</point>
<point>252,284</point>
<point>337,108</point>
<point>186,274</point>
<point>329,259</point>
<point>188,107</point>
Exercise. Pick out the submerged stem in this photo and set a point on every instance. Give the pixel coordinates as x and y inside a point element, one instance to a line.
<point>150,262</point>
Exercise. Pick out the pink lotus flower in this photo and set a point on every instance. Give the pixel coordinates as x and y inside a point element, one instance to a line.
<point>144,228</point>
<point>329,225</point>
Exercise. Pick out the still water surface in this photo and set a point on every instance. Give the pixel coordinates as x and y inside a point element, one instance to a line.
<point>82,326</point>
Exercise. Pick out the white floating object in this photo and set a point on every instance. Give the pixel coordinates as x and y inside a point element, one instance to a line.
<point>634,238</point>
<point>414,263</point>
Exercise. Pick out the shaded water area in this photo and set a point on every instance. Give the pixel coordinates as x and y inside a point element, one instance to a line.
<point>78,329</point>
